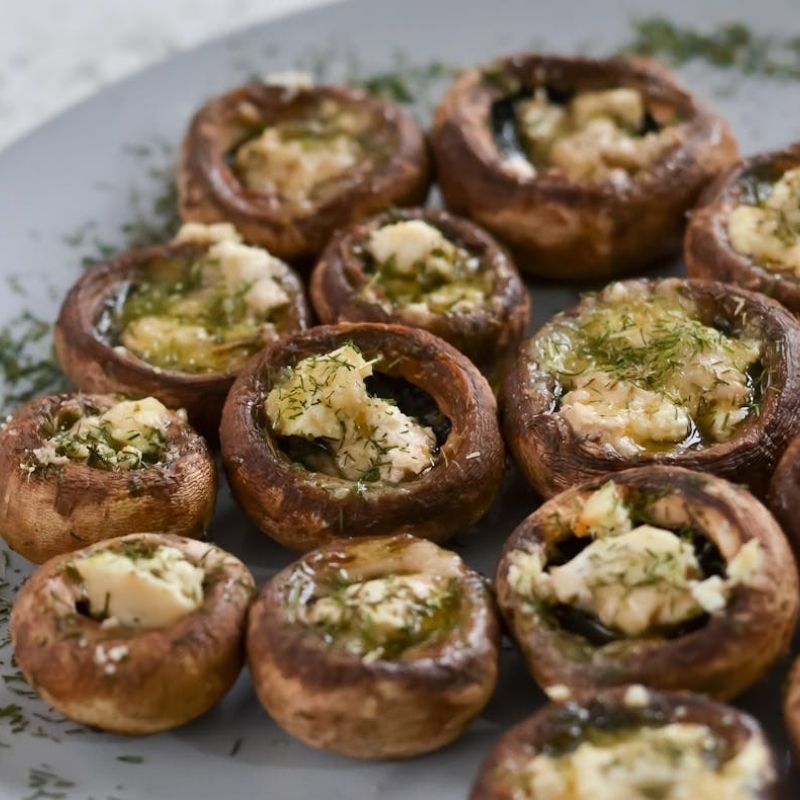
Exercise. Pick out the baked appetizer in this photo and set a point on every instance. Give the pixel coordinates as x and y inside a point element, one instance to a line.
<point>76,469</point>
<point>178,321</point>
<point>631,743</point>
<point>585,167</point>
<point>655,575</point>
<point>361,429</point>
<point>384,647</point>
<point>695,374</point>
<point>133,635</point>
<point>746,228</point>
<point>427,269</point>
<point>288,165</point>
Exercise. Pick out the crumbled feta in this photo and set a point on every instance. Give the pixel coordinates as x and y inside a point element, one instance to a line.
<point>122,437</point>
<point>292,168</point>
<point>413,245</point>
<point>769,232</point>
<point>596,136</point>
<point>641,372</point>
<point>633,580</point>
<point>676,761</point>
<point>290,80</point>
<point>152,590</point>
<point>325,397</point>
<point>637,696</point>
<point>198,233</point>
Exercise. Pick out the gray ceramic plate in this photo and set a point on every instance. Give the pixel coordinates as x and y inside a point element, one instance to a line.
<point>98,176</point>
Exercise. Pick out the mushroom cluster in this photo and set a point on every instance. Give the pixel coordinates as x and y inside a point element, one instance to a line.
<point>655,417</point>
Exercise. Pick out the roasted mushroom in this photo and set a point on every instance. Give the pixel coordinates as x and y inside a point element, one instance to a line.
<point>178,321</point>
<point>427,269</point>
<point>77,469</point>
<point>791,706</point>
<point>361,429</point>
<point>134,635</point>
<point>631,743</point>
<point>784,491</point>
<point>655,575</point>
<point>290,165</point>
<point>585,167</point>
<point>384,647</point>
<point>688,373</point>
<point>746,228</point>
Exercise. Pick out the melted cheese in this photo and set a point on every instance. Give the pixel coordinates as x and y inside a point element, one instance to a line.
<point>677,761</point>
<point>325,397</point>
<point>198,233</point>
<point>378,611</point>
<point>597,136</point>
<point>632,580</point>
<point>150,591</point>
<point>641,372</point>
<point>293,167</point>
<point>121,437</point>
<point>769,232</point>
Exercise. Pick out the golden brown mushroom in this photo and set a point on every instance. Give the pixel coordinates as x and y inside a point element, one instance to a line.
<point>76,469</point>
<point>178,321</point>
<point>361,429</point>
<point>631,742</point>
<point>687,373</point>
<point>585,167</point>
<point>746,228</point>
<point>382,647</point>
<point>290,165</point>
<point>428,269</point>
<point>134,635</point>
<point>656,575</point>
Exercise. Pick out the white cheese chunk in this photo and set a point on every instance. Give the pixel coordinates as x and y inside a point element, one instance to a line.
<point>252,270</point>
<point>632,580</point>
<point>672,762</point>
<point>413,245</point>
<point>151,591</point>
<point>325,397</point>
<point>770,232</point>
<point>292,168</point>
<point>198,233</point>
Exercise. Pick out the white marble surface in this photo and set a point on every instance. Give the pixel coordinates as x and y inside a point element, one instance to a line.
<point>56,52</point>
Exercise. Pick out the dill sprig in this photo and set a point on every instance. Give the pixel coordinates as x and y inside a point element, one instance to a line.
<point>732,45</point>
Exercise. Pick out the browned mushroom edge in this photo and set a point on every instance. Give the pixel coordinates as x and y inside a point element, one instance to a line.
<point>568,230</point>
<point>784,491</point>
<point>553,457</point>
<point>302,509</point>
<point>46,510</point>
<point>362,704</point>
<point>487,334</point>
<point>558,729</point>
<point>124,679</point>
<point>398,173</point>
<point>791,707</point>
<point>708,251</point>
<point>719,654</point>
<point>91,359</point>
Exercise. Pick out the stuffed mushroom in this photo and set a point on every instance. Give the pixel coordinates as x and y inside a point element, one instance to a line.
<point>746,229</point>
<point>361,429</point>
<point>134,635</point>
<point>632,743</point>
<point>656,575</point>
<point>178,321</point>
<point>382,647</point>
<point>686,373</point>
<point>288,165</point>
<point>76,469</point>
<point>428,269</point>
<point>585,167</point>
